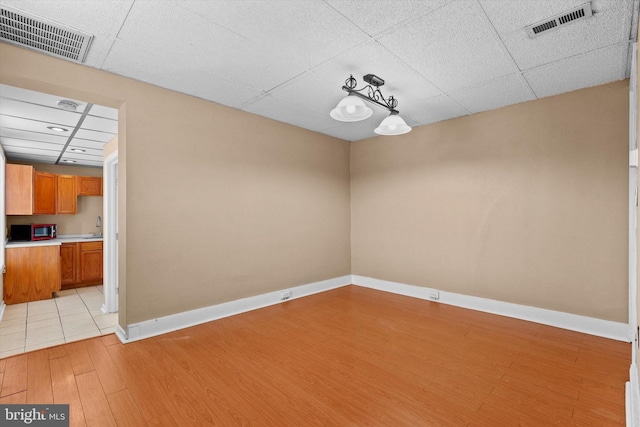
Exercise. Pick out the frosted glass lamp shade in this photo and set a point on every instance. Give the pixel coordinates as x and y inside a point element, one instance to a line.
<point>351,109</point>
<point>392,125</point>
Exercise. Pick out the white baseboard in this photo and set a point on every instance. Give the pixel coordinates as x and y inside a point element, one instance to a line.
<point>588,325</point>
<point>2,307</point>
<point>162,325</point>
<point>632,395</point>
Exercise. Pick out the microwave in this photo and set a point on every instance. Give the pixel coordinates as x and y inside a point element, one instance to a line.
<point>33,231</point>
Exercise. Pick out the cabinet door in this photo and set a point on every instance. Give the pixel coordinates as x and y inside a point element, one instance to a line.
<point>44,199</point>
<point>32,274</point>
<point>90,262</point>
<point>19,189</point>
<point>89,186</point>
<point>67,195</point>
<point>68,263</point>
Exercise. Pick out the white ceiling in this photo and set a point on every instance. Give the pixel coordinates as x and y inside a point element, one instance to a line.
<point>287,59</point>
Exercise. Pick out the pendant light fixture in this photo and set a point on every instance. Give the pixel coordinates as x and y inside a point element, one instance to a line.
<point>352,109</point>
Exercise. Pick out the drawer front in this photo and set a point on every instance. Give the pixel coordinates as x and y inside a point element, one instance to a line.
<point>90,246</point>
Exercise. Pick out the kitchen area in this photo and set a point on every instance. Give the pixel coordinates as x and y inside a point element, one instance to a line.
<point>54,257</point>
<point>52,287</point>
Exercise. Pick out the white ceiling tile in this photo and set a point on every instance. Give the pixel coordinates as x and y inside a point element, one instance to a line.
<point>32,136</point>
<point>434,110</point>
<point>32,158</point>
<point>100,124</point>
<point>590,69</point>
<point>138,63</point>
<point>311,91</point>
<point>102,19</point>
<point>89,151</point>
<point>105,112</point>
<point>23,149</point>
<point>495,94</point>
<point>12,142</point>
<point>375,16</point>
<point>50,115</point>
<point>39,98</point>
<point>609,25</point>
<point>283,111</point>
<point>30,125</point>
<point>305,32</point>
<point>205,46</point>
<point>87,143</point>
<point>94,135</point>
<point>82,156</point>
<point>405,84</point>
<point>453,47</point>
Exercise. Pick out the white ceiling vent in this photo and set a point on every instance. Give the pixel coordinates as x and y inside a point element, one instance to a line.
<point>30,31</point>
<point>564,18</point>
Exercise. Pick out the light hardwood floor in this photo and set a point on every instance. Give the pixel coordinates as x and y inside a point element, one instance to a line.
<point>346,357</point>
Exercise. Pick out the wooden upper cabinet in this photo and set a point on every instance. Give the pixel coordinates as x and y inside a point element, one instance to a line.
<point>44,201</point>
<point>89,186</point>
<point>19,189</point>
<point>67,194</point>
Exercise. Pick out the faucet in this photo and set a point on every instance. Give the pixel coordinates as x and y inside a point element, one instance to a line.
<point>99,226</point>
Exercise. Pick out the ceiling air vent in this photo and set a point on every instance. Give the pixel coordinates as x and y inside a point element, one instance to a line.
<point>564,18</point>
<point>30,31</point>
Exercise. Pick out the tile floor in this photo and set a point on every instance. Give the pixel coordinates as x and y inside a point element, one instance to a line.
<point>73,315</point>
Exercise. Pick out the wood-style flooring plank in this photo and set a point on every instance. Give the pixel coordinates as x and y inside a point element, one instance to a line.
<point>124,410</point>
<point>65,389</point>
<point>15,375</point>
<point>94,403</point>
<point>39,378</point>
<point>347,357</point>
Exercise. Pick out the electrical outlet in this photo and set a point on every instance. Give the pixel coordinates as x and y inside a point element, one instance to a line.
<point>285,295</point>
<point>434,295</point>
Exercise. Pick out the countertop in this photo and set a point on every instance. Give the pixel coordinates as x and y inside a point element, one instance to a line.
<point>54,242</point>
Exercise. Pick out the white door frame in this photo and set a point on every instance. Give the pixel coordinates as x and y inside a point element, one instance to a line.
<point>3,162</point>
<point>111,234</point>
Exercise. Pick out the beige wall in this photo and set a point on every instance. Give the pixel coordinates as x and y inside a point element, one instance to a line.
<point>89,207</point>
<point>526,204</point>
<point>219,204</point>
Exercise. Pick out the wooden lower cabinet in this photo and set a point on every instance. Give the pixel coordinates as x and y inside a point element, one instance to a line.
<point>32,273</point>
<point>81,264</point>
<point>68,263</point>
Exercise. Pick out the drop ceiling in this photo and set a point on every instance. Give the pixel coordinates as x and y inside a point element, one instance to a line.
<point>287,59</point>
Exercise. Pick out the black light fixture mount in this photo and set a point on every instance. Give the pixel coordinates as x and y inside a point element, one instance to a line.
<point>352,109</point>
<point>371,92</point>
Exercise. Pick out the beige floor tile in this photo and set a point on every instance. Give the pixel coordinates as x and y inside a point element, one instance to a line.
<point>66,292</point>
<point>9,353</point>
<point>15,311</point>
<point>12,330</point>
<point>7,345</point>
<point>107,320</point>
<point>44,316</point>
<point>109,330</point>
<point>83,336</point>
<point>88,290</point>
<point>68,302</point>
<point>72,311</point>
<point>46,344</point>
<point>43,324</point>
<point>13,322</point>
<point>11,334</point>
<point>40,307</point>
<point>80,327</point>
<point>100,288</point>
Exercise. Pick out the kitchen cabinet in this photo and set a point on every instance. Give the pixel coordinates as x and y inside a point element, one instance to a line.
<point>89,186</point>
<point>33,273</point>
<point>67,194</point>
<point>19,189</point>
<point>81,264</point>
<point>44,199</point>
<point>68,263</point>
<point>90,262</point>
